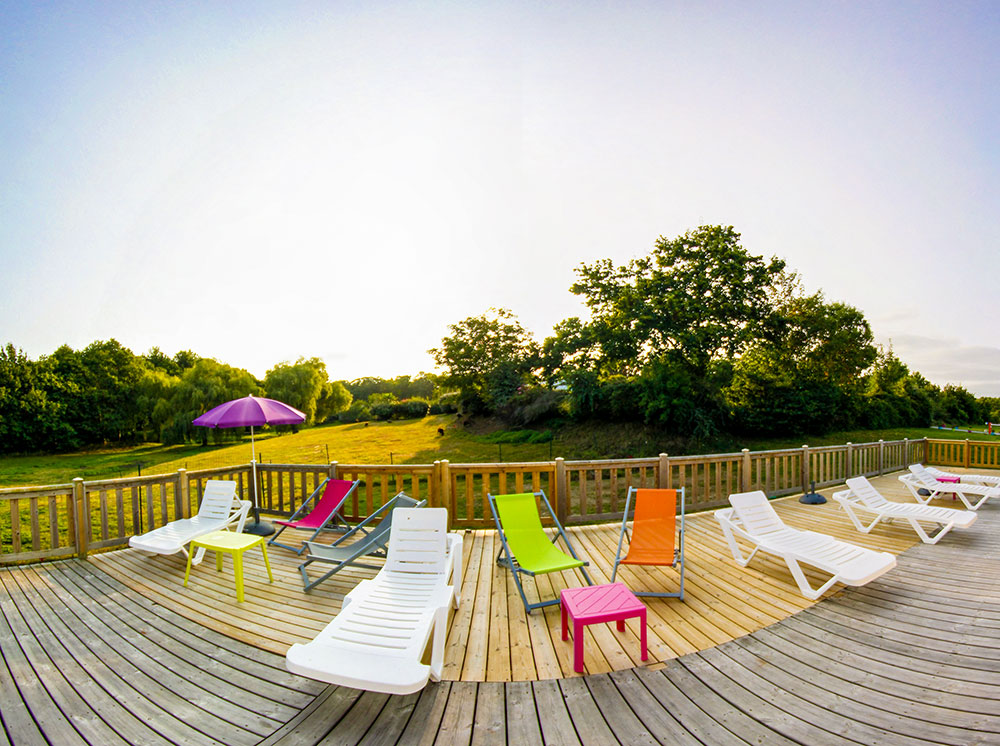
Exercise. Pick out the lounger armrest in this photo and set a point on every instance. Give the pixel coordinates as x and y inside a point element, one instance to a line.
<point>241,515</point>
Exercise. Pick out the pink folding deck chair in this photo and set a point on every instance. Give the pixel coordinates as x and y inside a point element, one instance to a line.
<point>321,512</point>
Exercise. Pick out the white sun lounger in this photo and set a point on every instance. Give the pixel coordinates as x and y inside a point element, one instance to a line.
<point>219,509</point>
<point>862,497</point>
<point>980,479</point>
<point>919,478</point>
<point>753,519</point>
<point>378,639</point>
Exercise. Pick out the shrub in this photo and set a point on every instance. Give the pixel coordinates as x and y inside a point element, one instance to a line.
<point>359,411</point>
<point>410,409</point>
<point>445,404</point>
<point>383,410</point>
<point>531,405</point>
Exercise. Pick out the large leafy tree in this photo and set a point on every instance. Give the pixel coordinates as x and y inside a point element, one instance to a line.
<point>29,418</point>
<point>695,298</point>
<point>487,358</point>
<point>206,384</point>
<point>97,390</point>
<point>664,328</point>
<point>306,386</point>
<point>805,373</point>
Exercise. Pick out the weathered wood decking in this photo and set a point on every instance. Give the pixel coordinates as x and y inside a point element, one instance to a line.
<point>114,651</point>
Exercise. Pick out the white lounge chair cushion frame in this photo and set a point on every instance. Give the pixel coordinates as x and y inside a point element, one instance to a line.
<point>919,478</point>
<point>982,480</point>
<point>862,497</point>
<point>378,639</point>
<point>753,519</point>
<point>219,509</point>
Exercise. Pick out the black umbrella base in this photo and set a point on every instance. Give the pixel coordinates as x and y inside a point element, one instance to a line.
<point>259,528</point>
<point>812,498</point>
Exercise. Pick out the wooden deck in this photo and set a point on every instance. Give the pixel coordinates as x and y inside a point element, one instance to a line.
<point>113,650</point>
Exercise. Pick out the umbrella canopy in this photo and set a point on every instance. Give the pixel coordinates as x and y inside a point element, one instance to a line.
<point>250,411</point>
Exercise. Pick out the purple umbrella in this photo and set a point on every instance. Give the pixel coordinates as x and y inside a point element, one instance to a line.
<point>252,411</point>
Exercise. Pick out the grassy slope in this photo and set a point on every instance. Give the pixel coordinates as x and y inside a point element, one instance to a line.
<point>412,441</point>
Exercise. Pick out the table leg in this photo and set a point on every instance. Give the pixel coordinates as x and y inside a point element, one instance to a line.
<point>187,572</point>
<point>238,569</point>
<point>642,635</point>
<point>267,564</point>
<point>621,624</point>
<point>577,646</point>
<point>218,560</point>
<point>565,628</point>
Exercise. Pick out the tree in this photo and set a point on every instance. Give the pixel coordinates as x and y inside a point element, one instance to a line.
<point>669,322</point>
<point>700,295</point>
<point>29,419</point>
<point>803,374</point>
<point>299,385</point>
<point>487,358</point>
<point>97,390</point>
<point>206,384</point>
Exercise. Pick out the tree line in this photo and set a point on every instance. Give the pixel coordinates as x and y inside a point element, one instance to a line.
<point>105,393</point>
<point>700,338</point>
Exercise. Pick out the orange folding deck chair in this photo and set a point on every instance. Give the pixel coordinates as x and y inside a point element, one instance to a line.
<point>320,512</point>
<point>657,536</point>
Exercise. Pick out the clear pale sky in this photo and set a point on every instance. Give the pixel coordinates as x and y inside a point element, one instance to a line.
<point>262,181</point>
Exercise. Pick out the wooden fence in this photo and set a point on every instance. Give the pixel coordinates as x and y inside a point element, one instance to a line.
<point>41,523</point>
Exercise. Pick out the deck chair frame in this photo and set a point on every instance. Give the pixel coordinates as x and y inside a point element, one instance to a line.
<point>506,558</point>
<point>372,543</point>
<point>919,478</point>
<point>304,509</point>
<point>378,640</point>
<point>678,559</point>
<point>982,480</point>
<point>861,497</point>
<point>844,562</point>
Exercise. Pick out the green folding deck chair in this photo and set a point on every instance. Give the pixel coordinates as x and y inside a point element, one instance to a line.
<point>526,547</point>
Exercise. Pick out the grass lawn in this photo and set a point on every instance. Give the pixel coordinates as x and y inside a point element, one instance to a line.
<point>408,441</point>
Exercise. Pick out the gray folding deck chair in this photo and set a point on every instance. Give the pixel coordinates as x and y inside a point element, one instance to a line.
<point>340,554</point>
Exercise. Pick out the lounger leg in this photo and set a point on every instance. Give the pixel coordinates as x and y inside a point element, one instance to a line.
<point>198,557</point>
<point>437,646</point>
<point>803,583</point>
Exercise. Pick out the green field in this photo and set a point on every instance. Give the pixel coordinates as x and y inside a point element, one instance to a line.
<point>409,441</point>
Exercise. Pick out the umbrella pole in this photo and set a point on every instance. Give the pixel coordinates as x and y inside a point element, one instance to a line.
<point>257,528</point>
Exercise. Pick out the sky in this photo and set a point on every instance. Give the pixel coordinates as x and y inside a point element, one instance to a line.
<point>263,181</point>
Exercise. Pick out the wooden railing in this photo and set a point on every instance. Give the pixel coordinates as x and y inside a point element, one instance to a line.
<point>38,523</point>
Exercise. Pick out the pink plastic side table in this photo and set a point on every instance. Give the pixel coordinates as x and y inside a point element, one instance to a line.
<point>950,480</point>
<point>600,603</point>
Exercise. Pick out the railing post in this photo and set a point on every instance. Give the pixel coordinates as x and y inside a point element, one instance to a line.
<point>968,454</point>
<point>82,537</point>
<point>906,454</point>
<point>663,480</point>
<point>805,469</point>
<point>745,471</point>
<point>850,458</point>
<point>927,451</point>
<point>434,496</point>
<point>444,487</point>
<point>562,490</point>
<point>333,470</point>
<point>183,509</point>
<point>881,456</point>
